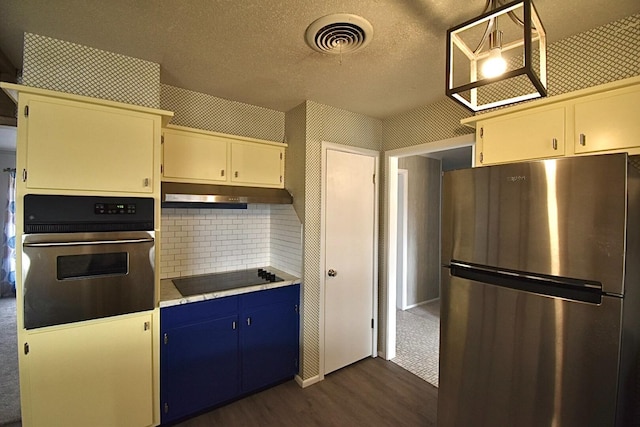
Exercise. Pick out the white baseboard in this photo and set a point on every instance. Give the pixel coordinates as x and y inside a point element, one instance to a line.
<point>309,381</point>
<point>421,303</point>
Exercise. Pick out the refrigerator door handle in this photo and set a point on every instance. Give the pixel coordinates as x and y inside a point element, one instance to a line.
<point>554,286</point>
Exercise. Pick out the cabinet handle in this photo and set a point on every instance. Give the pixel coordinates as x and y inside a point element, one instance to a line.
<point>166,339</point>
<point>583,139</point>
<point>222,172</point>
<point>145,182</point>
<point>236,174</point>
<point>147,326</point>
<point>555,143</point>
<point>248,321</point>
<point>233,325</point>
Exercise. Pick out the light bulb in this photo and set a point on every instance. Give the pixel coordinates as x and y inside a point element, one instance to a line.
<point>494,65</point>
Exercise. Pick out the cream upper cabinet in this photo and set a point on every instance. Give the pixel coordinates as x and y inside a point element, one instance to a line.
<point>74,145</point>
<point>199,156</point>
<point>96,374</point>
<point>608,121</point>
<point>257,164</point>
<point>602,119</point>
<point>533,135</point>
<point>193,156</point>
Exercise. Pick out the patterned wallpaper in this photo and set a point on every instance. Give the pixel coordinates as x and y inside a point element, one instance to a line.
<point>324,123</point>
<point>201,111</point>
<point>294,165</point>
<point>72,68</point>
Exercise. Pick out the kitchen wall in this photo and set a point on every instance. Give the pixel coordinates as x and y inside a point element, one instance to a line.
<point>308,125</point>
<point>202,111</point>
<point>423,228</point>
<point>72,68</point>
<point>198,241</point>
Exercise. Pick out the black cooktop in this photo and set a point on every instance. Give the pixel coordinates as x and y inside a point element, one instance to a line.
<point>195,285</point>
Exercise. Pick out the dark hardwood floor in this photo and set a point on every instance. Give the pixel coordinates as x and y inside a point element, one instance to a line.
<point>372,392</point>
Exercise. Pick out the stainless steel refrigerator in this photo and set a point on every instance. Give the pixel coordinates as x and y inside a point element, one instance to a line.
<point>540,300</point>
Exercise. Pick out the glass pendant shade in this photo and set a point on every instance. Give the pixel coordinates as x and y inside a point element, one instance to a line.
<point>487,67</point>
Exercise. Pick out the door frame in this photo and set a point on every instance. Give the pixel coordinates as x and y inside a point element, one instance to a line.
<point>405,218</point>
<point>374,309</point>
<point>391,224</point>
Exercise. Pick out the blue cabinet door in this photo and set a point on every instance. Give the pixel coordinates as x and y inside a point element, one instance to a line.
<point>269,337</point>
<point>199,366</point>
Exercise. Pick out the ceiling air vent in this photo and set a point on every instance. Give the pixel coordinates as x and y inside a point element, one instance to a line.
<point>339,33</point>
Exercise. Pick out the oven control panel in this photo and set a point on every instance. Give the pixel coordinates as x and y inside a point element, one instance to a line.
<point>115,208</point>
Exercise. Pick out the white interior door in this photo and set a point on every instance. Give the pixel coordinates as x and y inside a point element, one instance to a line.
<point>349,258</point>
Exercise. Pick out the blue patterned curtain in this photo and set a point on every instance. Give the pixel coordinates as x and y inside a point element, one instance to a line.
<point>8,272</point>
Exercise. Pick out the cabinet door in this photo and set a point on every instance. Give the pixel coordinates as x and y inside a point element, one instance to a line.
<point>192,156</point>
<point>607,122</point>
<point>257,164</point>
<point>269,337</point>
<point>91,375</point>
<point>200,366</point>
<point>532,135</point>
<point>77,146</point>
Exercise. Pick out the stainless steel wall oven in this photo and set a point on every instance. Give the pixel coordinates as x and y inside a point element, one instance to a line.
<point>86,257</point>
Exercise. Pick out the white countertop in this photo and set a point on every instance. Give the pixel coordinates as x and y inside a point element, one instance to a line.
<point>169,294</point>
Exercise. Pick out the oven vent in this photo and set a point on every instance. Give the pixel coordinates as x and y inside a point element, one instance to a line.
<point>87,227</point>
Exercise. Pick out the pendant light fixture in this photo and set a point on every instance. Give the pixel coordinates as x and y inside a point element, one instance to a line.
<point>497,58</point>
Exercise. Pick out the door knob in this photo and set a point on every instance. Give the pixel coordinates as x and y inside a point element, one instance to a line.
<point>332,272</point>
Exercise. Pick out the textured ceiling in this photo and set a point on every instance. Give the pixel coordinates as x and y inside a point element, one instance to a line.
<point>254,51</point>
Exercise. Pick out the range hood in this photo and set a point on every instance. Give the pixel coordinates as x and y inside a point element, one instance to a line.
<point>177,194</point>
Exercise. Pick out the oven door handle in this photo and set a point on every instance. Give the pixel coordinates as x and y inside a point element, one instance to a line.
<point>88,242</point>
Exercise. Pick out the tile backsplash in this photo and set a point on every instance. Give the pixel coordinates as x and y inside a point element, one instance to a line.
<point>199,241</point>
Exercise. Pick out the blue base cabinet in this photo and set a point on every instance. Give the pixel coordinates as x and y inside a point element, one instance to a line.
<point>218,350</point>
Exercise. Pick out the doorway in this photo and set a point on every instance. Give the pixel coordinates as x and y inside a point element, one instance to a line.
<point>348,255</point>
<point>452,154</point>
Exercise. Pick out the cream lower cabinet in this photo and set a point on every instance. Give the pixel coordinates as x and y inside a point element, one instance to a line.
<point>534,135</point>
<point>75,145</point>
<point>98,374</point>
<point>608,121</point>
<point>199,156</point>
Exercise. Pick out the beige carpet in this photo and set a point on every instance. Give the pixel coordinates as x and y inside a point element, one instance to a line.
<point>9,386</point>
<point>418,341</point>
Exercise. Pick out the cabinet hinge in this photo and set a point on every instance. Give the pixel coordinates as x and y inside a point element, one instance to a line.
<point>161,168</point>
<point>296,308</point>
<point>26,348</point>
<point>280,156</point>
<point>26,111</point>
<point>162,139</point>
<point>24,175</point>
<point>166,338</point>
<point>481,158</point>
<point>280,179</point>
<point>371,323</point>
<point>166,408</point>
<point>374,178</point>
<point>481,132</point>
<point>147,326</point>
